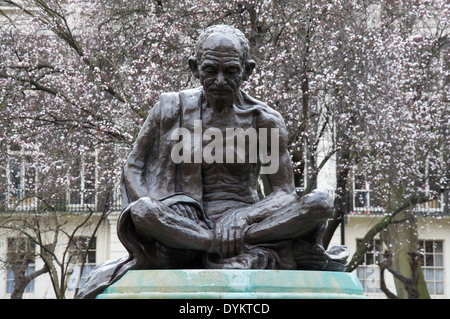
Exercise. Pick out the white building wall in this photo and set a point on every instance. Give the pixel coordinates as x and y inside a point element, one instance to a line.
<point>108,247</point>
<point>429,228</point>
<point>326,179</point>
<point>116,249</point>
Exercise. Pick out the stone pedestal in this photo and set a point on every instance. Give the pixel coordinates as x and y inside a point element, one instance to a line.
<point>235,284</point>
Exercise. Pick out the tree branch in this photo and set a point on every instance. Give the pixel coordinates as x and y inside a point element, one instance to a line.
<point>37,273</point>
<point>313,178</point>
<point>58,25</point>
<point>383,286</point>
<point>362,249</point>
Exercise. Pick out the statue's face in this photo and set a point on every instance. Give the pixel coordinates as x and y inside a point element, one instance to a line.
<point>221,70</point>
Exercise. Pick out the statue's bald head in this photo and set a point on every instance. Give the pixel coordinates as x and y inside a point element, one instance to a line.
<point>222,37</point>
<point>225,30</point>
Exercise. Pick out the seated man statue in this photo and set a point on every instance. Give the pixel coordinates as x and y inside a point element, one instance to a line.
<point>195,211</point>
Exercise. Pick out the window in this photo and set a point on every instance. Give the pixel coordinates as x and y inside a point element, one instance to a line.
<point>369,271</point>
<point>80,249</point>
<point>22,180</point>
<point>429,183</point>
<point>364,199</point>
<point>20,256</point>
<point>436,205</point>
<point>432,263</point>
<point>82,182</point>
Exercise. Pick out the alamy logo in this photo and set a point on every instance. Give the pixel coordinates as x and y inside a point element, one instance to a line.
<point>233,143</point>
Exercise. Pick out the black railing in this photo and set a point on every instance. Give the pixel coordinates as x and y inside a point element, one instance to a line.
<point>68,201</point>
<point>364,202</point>
<point>359,203</point>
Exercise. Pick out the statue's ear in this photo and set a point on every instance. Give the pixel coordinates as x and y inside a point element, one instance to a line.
<point>249,67</point>
<point>193,65</point>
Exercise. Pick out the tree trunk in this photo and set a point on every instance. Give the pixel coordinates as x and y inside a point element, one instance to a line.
<point>401,237</point>
<point>21,280</point>
<point>19,283</point>
<point>341,199</point>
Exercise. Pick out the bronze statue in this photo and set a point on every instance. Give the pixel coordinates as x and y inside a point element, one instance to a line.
<point>196,213</point>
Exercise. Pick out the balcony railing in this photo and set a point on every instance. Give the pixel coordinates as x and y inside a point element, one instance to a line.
<point>362,202</point>
<point>86,201</point>
<point>67,201</point>
<point>361,205</point>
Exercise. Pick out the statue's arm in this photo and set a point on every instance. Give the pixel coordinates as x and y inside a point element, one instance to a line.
<point>134,177</point>
<point>282,180</point>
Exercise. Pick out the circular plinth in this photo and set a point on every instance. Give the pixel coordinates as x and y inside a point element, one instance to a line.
<point>235,284</point>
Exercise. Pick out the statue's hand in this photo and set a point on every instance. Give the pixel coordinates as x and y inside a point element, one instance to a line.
<point>229,232</point>
<point>186,210</point>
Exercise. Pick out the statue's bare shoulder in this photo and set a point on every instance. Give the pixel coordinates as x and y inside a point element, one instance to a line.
<point>268,117</point>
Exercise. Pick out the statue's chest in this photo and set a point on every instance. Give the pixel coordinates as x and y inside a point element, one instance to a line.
<point>227,120</point>
<point>229,138</point>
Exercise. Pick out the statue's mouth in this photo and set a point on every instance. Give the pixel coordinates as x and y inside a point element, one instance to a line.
<point>224,91</point>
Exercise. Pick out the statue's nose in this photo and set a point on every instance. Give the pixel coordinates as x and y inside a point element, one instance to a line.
<point>220,80</point>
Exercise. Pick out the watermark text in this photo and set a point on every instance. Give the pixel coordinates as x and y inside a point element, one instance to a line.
<point>232,144</point>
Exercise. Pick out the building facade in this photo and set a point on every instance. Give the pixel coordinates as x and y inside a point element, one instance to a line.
<point>433,233</point>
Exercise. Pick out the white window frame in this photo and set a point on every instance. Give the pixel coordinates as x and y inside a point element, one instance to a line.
<point>368,207</point>
<point>30,202</point>
<point>369,273</point>
<point>83,191</point>
<point>436,205</point>
<point>430,271</point>
<point>77,279</point>
<point>10,278</point>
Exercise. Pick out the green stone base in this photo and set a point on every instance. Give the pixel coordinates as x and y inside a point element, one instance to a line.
<point>235,284</point>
